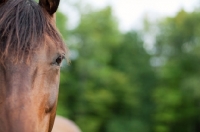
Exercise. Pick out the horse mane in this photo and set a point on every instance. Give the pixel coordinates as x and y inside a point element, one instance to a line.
<point>23,27</point>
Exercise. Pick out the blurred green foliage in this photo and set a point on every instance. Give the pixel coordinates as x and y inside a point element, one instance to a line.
<point>177,93</point>
<point>111,86</point>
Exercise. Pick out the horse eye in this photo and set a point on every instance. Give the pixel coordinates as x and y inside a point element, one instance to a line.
<point>59,60</point>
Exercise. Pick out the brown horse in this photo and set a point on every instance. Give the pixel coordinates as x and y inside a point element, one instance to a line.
<point>64,125</point>
<point>31,52</point>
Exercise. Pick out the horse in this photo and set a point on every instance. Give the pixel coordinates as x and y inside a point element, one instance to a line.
<point>31,53</point>
<point>64,125</point>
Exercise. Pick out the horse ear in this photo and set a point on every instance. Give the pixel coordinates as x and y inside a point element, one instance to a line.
<point>50,6</point>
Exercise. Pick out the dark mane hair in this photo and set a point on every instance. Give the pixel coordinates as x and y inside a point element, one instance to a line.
<point>23,27</point>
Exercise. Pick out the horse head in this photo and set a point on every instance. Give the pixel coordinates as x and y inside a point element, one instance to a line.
<point>31,52</point>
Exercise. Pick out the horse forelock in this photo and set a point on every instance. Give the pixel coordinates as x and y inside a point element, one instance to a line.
<point>23,27</point>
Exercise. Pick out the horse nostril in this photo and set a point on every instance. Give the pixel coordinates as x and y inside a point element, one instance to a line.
<point>48,109</point>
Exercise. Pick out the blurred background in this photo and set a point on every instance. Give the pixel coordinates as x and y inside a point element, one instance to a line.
<point>135,65</point>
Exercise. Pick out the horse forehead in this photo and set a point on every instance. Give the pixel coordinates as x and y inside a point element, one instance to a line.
<point>52,47</point>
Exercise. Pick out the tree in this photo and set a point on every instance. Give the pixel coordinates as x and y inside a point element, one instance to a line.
<point>96,92</point>
<point>176,96</point>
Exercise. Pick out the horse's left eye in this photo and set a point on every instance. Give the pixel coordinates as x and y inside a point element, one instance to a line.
<point>59,60</point>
